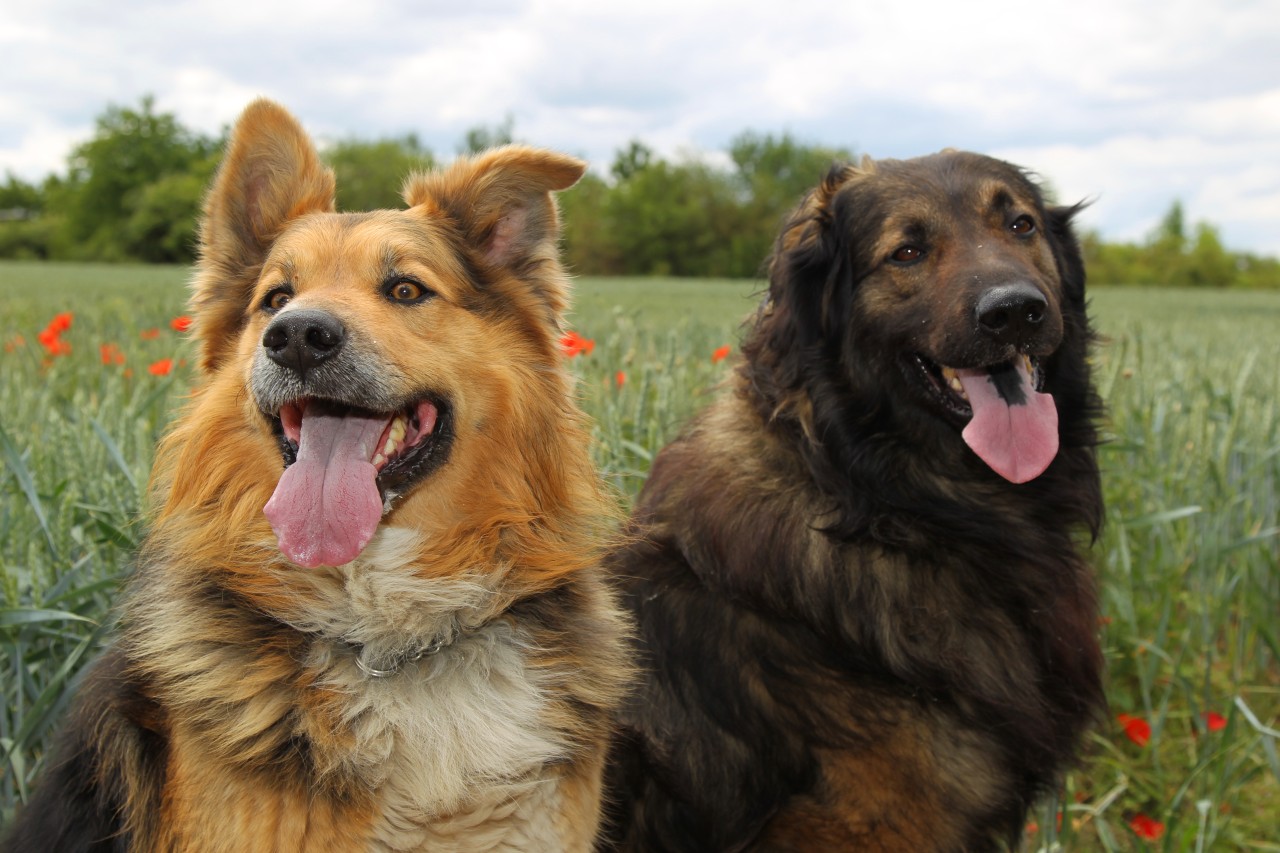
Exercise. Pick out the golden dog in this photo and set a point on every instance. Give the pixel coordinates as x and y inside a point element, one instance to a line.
<point>368,614</point>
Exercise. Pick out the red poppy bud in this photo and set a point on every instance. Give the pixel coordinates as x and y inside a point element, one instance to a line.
<point>1146,828</point>
<point>1136,729</point>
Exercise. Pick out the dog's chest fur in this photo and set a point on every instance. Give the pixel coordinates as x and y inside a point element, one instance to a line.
<point>451,748</point>
<point>453,738</point>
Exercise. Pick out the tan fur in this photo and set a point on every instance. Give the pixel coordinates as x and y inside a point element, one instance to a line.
<point>239,695</point>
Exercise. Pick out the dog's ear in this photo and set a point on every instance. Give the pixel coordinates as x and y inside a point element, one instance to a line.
<point>270,175</point>
<point>1067,248</point>
<point>501,199</point>
<point>811,260</point>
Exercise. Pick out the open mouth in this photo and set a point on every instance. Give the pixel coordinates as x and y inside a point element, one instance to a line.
<point>343,468</point>
<point>946,385</point>
<point>408,444</point>
<point>1005,416</point>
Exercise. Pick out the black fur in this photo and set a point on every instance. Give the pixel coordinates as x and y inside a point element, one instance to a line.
<point>82,796</point>
<point>822,565</point>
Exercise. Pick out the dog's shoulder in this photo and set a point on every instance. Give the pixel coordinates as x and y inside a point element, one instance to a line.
<point>104,771</point>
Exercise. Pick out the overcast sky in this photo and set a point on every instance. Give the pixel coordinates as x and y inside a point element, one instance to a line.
<point>1133,103</point>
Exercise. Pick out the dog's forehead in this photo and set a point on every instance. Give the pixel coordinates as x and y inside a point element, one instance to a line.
<point>933,192</point>
<point>319,247</point>
<point>959,176</point>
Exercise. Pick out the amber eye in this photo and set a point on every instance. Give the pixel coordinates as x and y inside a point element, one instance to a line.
<point>907,254</point>
<point>1023,225</point>
<point>277,299</point>
<point>406,290</point>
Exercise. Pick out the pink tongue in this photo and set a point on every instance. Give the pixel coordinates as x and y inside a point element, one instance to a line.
<point>326,506</point>
<point>1015,432</point>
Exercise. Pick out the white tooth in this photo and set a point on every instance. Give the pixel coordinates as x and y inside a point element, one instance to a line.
<point>378,460</point>
<point>397,429</point>
<point>955,384</point>
<point>390,447</point>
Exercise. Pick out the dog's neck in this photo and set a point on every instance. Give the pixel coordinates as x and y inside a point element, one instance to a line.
<point>382,611</point>
<point>389,665</point>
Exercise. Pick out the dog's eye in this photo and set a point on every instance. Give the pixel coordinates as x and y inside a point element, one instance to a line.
<point>406,290</point>
<point>1023,226</point>
<point>277,299</point>
<point>907,254</point>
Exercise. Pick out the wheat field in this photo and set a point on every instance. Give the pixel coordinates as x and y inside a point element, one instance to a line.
<point>94,363</point>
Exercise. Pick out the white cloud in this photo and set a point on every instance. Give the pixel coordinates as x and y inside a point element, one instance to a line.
<point>1136,102</point>
<point>1134,179</point>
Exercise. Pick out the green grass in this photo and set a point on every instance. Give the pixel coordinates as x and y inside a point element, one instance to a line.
<point>1190,558</point>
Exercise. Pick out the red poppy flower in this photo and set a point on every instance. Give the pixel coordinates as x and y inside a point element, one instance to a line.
<point>111,354</point>
<point>620,378</point>
<point>161,367</point>
<point>53,343</point>
<point>1146,828</point>
<point>180,324</point>
<point>149,334</point>
<point>1214,721</point>
<point>572,344</point>
<point>13,343</point>
<point>1136,729</point>
<point>51,337</point>
<point>720,354</point>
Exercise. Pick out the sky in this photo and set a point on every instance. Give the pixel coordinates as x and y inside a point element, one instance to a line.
<point>1132,104</point>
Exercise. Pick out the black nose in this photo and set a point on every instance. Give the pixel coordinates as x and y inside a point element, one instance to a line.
<point>1011,313</point>
<point>303,339</point>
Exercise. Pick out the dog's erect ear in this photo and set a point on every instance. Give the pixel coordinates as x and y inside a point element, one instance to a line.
<point>501,199</point>
<point>1070,257</point>
<point>269,176</point>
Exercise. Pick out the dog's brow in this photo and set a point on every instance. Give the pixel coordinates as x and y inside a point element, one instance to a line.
<point>285,266</point>
<point>1002,198</point>
<point>392,260</point>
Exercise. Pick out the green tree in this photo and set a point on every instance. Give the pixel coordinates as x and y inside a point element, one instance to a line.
<point>1166,247</point>
<point>674,219</point>
<point>370,175</point>
<point>483,137</point>
<point>588,241</point>
<point>19,199</point>
<point>162,223</point>
<point>1208,263</point>
<point>632,160</point>
<point>108,176</point>
<point>774,173</point>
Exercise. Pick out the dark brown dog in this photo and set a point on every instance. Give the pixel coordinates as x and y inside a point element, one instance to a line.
<point>866,620</point>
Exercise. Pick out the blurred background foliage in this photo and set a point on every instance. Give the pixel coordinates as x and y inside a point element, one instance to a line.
<point>132,192</point>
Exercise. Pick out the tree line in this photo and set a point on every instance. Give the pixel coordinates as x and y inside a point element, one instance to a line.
<point>133,192</point>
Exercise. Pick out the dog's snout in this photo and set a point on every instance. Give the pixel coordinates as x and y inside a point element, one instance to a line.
<point>1011,313</point>
<point>303,339</point>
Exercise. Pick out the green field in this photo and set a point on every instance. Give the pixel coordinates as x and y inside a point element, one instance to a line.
<point>1190,558</point>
